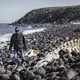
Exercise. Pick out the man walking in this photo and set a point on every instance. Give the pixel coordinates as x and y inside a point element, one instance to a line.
<point>18,42</point>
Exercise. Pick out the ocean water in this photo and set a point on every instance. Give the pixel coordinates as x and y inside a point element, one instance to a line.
<point>6,31</point>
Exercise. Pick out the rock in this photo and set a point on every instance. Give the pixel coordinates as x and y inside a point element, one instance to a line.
<point>62,67</point>
<point>18,61</point>
<point>78,78</point>
<point>65,60</point>
<point>57,78</point>
<point>41,55</point>
<point>2,42</point>
<point>37,77</point>
<point>41,71</point>
<point>19,68</point>
<point>9,67</point>
<point>74,53</point>
<point>8,72</point>
<point>71,73</point>
<point>33,63</point>
<point>48,69</point>
<point>1,63</point>
<point>14,67</point>
<point>16,77</point>
<point>29,75</point>
<point>64,78</point>
<point>26,74</point>
<point>2,70</point>
<point>61,53</point>
<point>4,77</point>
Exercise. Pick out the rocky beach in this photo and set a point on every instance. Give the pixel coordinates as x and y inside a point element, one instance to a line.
<point>66,67</point>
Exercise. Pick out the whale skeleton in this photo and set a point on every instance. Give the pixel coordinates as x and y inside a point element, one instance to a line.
<point>70,46</point>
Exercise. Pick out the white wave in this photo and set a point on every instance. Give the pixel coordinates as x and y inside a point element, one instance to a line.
<point>33,31</point>
<point>5,37</point>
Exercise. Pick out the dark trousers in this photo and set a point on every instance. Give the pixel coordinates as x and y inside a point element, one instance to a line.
<point>19,54</point>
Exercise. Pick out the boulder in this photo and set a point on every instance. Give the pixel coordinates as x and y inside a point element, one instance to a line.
<point>4,77</point>
<point>16,77</point>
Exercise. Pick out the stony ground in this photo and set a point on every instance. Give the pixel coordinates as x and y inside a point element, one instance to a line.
<point>67,67</point>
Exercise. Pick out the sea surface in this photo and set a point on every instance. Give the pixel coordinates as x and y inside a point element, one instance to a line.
<point>5,28</point>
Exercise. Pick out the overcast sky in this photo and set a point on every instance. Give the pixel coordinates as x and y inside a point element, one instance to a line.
<point>12,10</point>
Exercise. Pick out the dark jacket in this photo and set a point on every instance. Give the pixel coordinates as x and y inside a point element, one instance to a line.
<point>17,41</point>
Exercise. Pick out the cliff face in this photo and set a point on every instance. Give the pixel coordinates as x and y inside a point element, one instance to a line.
<point>51,15</point>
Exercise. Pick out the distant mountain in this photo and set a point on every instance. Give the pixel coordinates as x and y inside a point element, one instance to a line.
<point>51,15</point>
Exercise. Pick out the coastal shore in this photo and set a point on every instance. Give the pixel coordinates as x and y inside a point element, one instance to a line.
<point>44,42</point>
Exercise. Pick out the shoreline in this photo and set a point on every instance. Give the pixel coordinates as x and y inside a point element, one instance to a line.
<point>6,37</point>
<point>45,42</point>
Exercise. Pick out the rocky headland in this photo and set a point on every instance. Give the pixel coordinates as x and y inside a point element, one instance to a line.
<point>53,15</point>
